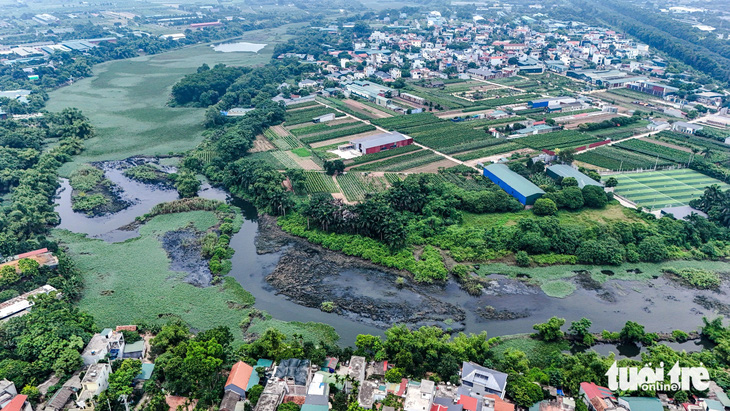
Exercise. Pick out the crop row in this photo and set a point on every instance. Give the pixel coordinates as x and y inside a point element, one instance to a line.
<point>655,150</point>
<point>301,105</point>
<point>355,185</point>
<point>305,115</point>
<point>314,128</point>
<point>488,151</point>
<point>284,159</point>
<point>473,145</point>
<point>413,163</point>
<point>385,165</point>
<point>538,116</point>
<point>556,139</point>
<point>337,133</point>
<point>402,122</point>
<point>316,182</point>
<point>614,158</point>
<point>384,154</point>
<point>283,143</point>
<point>496,102</point>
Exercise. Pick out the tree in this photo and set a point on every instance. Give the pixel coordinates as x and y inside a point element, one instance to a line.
<point>187,184</point>
<point>632,332</point>
<point>580,331</point>
<point>394,375</point>
<point>120,382</point>
<point>524,392</point>
<point>569,182</point>
<point>544,206</point>
<point>611,182</point>
<point>550,330</point>
<point>681,397</point>
<point>594,196</point>
<point>653,249</point>
<point>334,167</point>
<point>254,394</point>
<point>571,198</point>
<point>566,155</point>
<point>288,406</point>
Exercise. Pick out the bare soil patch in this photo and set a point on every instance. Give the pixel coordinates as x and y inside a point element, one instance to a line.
<point>365,109</point>
<point>432,167</point>
<point>261,144</point>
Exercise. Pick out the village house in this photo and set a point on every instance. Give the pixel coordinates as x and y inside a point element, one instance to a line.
<point>478,381</point>
<point>106,342</point>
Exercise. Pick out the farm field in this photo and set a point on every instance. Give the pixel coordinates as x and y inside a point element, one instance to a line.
<point>669,188</point>
<point>126,100</point>
<point>315,182</point>
<point>400,163</point>
<point>556,139</point>
<point>655,150</point>
<point>355,184</point>
<point>614,158</point>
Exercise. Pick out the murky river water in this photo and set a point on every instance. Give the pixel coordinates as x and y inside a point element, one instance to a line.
<point>660,305</point>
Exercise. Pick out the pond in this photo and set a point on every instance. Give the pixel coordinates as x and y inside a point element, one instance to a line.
<point>371,300</point>
<point>237,47</point>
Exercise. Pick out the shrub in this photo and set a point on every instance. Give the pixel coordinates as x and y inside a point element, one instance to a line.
<point>327,306</point>
<point>544,206</point>
<point>680,336</point>
<point>696,277</point>
<point>522,259</point>
<point>594,196</point>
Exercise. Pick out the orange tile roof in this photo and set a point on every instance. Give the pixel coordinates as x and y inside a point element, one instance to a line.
<point>469,403</point>
<point>16,404</point>
<point>240,374</point>
<point>500,404</point>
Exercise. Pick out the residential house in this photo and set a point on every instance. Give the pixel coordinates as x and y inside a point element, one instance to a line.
<point>686,128</point>
<point>107,342</point>
<point>419,397</point>
<point>597,398</point>
<point>239,378</point>
<point>18,403</point>
<point>307,84</point>
<point>479,380</point>
<point>21,305</point>
<point>95,381</point>
<point>135,350</point>
<point>658,125</point>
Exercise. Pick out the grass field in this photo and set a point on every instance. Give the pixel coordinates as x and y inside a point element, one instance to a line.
<point>658,189</point>
<point>133,281</point>
<point>126,100</point>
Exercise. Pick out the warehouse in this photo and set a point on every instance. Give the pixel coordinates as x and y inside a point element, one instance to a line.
<point>551,102</point>
<point>513,184</point>
<point>562,171</point>
<point>380,142</point>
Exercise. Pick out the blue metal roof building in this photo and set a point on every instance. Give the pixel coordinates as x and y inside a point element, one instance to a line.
<point>513,184</point>
<point>561,170</point>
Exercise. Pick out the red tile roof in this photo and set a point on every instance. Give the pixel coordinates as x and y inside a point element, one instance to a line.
<point>596,391</point>
<point>240,374</point>
<point>469,403</point>
<point>32,253</point>
<point>439,407</point>
<point>500,404</point>
<point>16,404</point>
<point>402,388</point>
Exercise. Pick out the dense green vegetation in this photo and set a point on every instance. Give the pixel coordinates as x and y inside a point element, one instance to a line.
<point>30,177</point>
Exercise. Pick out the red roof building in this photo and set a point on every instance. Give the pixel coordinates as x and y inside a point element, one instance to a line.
<point>500,404</point>
<point>16,404</point>
<point>238,378</point>
<point>469,403</point>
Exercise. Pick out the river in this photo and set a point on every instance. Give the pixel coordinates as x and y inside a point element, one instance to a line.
<point>660,305</point>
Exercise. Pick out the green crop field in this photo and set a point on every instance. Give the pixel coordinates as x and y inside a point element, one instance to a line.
<point>658,189</point>
<point>614,158</point>
<point>126,100</point>
<point>134,282</point>
<point>319,183</point>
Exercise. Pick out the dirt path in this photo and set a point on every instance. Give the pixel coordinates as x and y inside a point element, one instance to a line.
<point>365,109</point>
<point>261,144</point>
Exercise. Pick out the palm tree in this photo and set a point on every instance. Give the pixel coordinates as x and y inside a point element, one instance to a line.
<point>707,153</point>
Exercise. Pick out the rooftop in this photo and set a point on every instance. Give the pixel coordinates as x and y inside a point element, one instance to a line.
<point>524,187</point>
<point>380,139</point>
<point>94,372</point>
<point>293,368</point>
<point>646,403</point>
<point>240,375</point>
<point>562,170</point>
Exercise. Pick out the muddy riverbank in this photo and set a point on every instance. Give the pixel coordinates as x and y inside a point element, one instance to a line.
<point>291,278</point>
